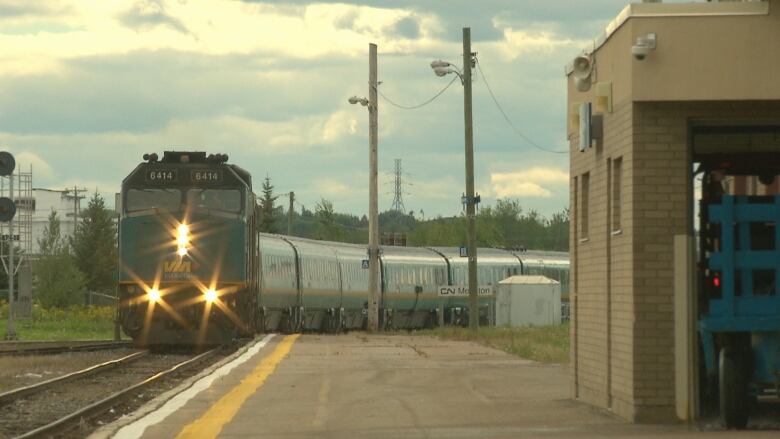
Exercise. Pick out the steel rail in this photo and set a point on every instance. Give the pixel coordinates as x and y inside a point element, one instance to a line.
<point>101,406</point>
<point>13,394</point>
<point>65,347</point>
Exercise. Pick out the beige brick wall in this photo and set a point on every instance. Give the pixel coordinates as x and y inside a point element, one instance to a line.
<point>602,352</point>
<point>622,282</point>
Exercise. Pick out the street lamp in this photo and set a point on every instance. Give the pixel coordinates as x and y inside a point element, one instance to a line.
<point>354,100</point>
<point>443,68</point>
<point>373,208</point>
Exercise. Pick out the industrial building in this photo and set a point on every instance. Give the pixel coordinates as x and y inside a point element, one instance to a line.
<point>668,96</point>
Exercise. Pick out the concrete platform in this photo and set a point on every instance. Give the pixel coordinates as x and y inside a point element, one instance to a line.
<point>358,386</point>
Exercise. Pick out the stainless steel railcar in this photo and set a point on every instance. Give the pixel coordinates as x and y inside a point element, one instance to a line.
<point>323,286</point>
<point>493,266</point>
<point>410,277</point>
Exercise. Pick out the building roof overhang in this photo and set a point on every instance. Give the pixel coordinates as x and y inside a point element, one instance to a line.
<point>659,9</point>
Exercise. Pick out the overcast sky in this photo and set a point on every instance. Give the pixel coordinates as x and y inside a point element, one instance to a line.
<point>86,87</point>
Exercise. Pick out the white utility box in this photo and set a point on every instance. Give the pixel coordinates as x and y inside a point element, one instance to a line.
<point>528,301</point>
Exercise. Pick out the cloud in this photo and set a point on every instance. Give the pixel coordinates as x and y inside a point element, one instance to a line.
<point>41,168</point>
<point>527,183</point>
<point>314,31</point>
<point>407,27</point>
<point>329,187</point>
<point>521,41</point>
<point>445,188</point>
<point>149,14</point>
<point>267,83</point>
<point>28,9</point>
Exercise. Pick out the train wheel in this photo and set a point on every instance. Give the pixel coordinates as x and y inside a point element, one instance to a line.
<point>733,388</point>
<point>288,322</point>
<point>260,323</point>
<point>338,325</point>
<point>334,323</point>
<point>300,320</point>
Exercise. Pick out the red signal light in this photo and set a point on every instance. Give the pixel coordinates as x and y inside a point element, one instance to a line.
<point>716,282</point>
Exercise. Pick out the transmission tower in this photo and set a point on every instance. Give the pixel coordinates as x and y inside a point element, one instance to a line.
<point>398,199</point>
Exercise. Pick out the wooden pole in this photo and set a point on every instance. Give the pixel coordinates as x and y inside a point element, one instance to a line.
<point>470,201</point>
<point>373,211</point>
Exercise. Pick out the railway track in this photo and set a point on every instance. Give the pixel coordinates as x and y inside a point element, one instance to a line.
<point>55,407</point>
<point>56,347</point>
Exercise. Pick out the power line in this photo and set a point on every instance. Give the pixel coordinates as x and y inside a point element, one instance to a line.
<point>414,107</point>
<point>506,118</point>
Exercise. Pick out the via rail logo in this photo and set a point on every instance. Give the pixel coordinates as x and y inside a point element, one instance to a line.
<point>177,269</point>
<point>463,290</point>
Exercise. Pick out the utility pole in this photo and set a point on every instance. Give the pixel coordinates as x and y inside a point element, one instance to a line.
<point>470,201</point>
<point>75,207</point>
<point>290,214</point>
<point>10,333</point>
<point>76,204</point>
<point>373,210</point>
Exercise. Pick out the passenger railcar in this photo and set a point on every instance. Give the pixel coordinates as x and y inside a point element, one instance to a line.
<point>410,280</point>
<point>493,266</point>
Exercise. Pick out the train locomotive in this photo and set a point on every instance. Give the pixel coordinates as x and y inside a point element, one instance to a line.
<point>194,269</point>
<point>187,250</point>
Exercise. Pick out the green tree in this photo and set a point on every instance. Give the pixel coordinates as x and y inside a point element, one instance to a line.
<point>328,228</point>
<point>94,246</point>
<point>558,231</point>
<point>60,283</point>
<point>268,213</point>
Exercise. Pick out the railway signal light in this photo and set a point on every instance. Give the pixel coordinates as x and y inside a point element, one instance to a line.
<point>7,206</point>
<point>7,163</point>
<point>7,209</point>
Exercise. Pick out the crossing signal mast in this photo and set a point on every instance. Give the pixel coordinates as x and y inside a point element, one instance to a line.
<point>7,213</point>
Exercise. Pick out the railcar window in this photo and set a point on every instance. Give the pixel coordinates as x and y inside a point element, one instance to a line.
<point>147,199</point>
<point>224,200</point>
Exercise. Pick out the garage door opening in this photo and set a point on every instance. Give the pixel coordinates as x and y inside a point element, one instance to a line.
<point>737,211</point>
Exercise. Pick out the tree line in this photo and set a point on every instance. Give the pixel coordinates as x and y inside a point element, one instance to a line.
<point>506,224</point>
<point>87,261</point>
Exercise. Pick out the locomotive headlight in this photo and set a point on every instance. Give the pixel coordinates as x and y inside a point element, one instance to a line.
<point>183,235</point>
<point>211,295</point>
<point>182,239</point>
<point>153,294</point>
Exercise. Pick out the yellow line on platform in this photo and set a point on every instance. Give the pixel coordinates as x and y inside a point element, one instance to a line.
<point>210,424</point>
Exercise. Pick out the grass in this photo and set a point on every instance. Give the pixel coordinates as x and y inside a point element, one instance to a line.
<point>74,323</point>
<point>546,344</point>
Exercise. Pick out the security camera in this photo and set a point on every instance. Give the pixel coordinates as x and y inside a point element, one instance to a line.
<point>644,45</point>
<point>354,100</point>
<point>640,52</point>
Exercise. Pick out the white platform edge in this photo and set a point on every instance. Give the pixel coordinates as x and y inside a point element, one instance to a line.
<point>147,410</point>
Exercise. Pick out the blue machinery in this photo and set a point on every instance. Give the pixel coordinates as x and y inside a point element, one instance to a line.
<point>740,331</point>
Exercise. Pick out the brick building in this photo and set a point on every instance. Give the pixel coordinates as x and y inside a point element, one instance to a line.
<point>708,83</point>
